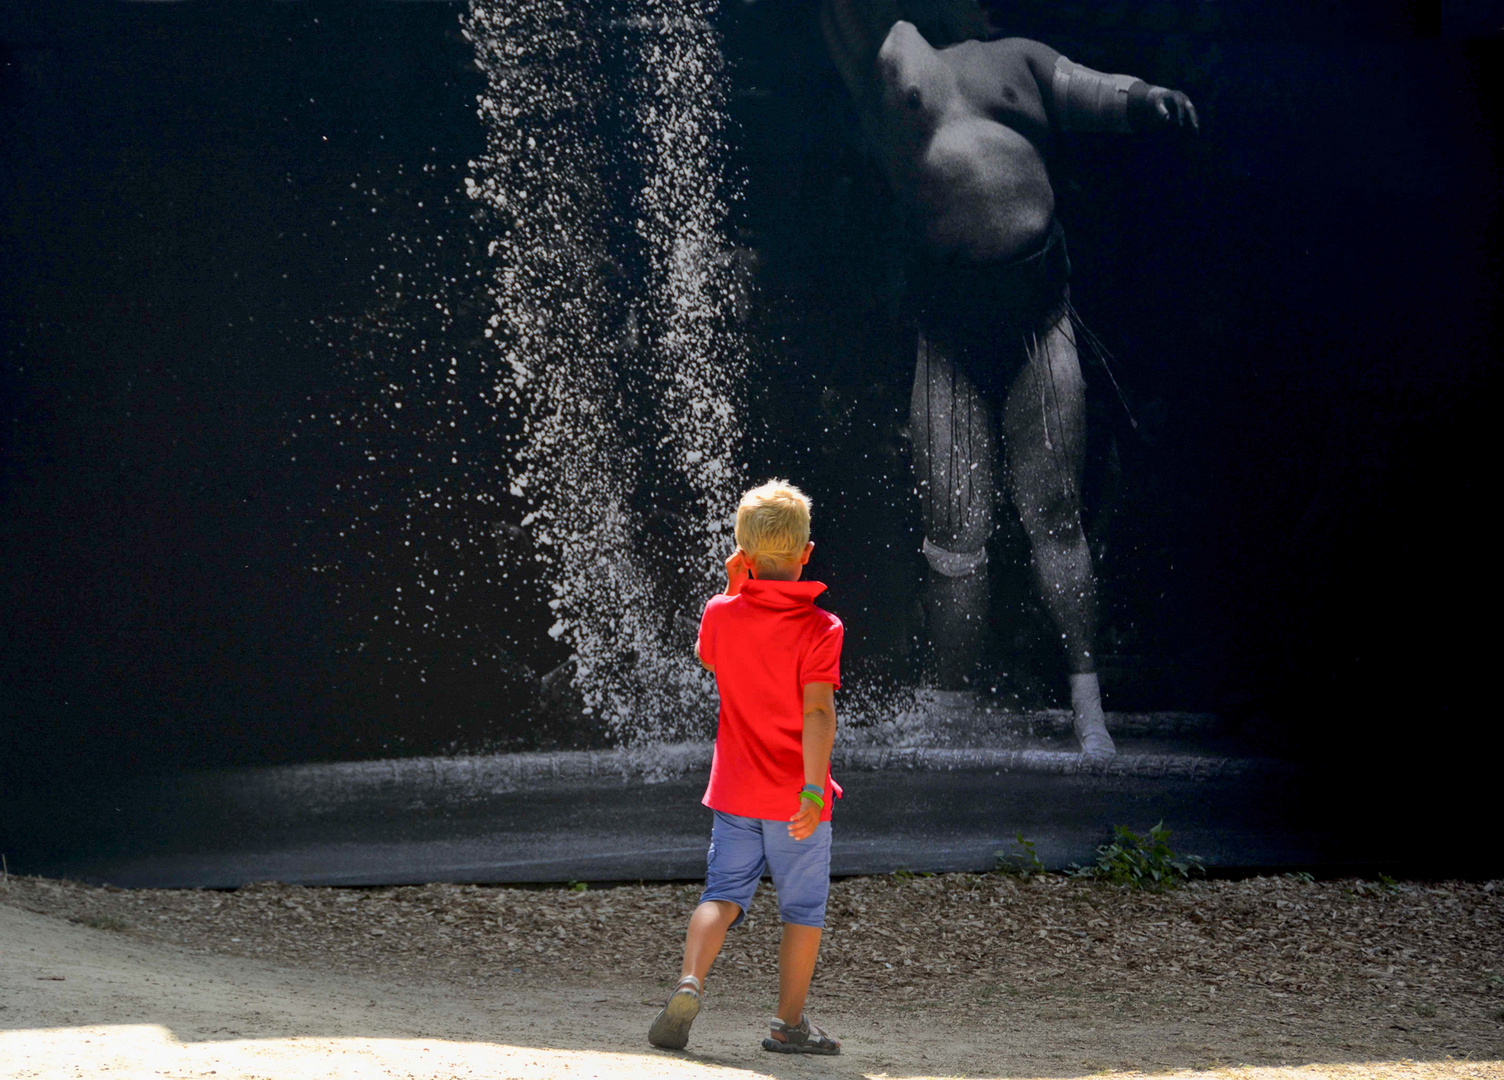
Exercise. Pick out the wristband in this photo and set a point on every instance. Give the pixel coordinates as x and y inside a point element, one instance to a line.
<point>817,799</point>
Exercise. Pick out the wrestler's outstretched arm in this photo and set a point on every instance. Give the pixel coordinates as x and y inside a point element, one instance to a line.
<point>1080,99</point>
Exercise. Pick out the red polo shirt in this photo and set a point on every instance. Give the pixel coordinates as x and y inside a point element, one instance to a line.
<point>765,644</point>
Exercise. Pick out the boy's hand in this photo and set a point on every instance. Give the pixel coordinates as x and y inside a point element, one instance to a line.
<point>737,572</point>
<point>803,824</point>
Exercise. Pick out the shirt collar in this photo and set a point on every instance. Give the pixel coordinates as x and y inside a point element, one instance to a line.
<point>781,594</point>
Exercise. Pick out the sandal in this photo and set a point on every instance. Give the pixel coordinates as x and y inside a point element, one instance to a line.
<point>670,1029</point>
<point>800,1038</point>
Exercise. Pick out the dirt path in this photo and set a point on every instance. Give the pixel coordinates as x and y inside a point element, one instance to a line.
<point>444,982</point>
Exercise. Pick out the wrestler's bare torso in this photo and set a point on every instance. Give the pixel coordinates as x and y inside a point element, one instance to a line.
<point>961,133</point>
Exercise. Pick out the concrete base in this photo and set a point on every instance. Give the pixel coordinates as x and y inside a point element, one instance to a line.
<point>635,814</point>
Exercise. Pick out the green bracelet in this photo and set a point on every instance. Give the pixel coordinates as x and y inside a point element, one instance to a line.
<point>812,797</point>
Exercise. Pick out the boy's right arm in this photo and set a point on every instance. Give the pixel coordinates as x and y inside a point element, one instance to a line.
<point>819,737</point>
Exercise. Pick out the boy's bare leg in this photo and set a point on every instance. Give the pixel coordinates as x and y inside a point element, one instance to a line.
<point>707,933</point>
<point>796,966</point>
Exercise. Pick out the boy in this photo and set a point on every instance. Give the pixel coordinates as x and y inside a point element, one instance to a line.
<point>776,659</point>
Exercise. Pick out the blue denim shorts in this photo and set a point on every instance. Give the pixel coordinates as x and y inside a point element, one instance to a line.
<point>742,847</point>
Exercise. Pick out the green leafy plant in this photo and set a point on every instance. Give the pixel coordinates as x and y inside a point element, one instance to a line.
<point>1141,862</point>
<point>578,886</point>
<point>1022,863</point>
<point>903,873</point>
<point>1385,886</point>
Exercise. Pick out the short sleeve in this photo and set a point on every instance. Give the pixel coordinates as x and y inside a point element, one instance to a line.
<point>822,660</point>
<point>706,642</point>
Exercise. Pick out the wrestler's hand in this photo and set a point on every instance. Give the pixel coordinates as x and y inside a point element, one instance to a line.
<point>1173,110</point>
<point>737,572</point>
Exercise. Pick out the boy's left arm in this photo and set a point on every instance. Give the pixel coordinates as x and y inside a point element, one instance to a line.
<point>738,570</point>
<point>819,737</point>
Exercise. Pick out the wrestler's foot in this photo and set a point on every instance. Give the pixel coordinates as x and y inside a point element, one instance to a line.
<point>1088,719</point>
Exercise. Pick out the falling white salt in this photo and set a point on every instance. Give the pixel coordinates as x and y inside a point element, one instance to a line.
<point>610,286</point>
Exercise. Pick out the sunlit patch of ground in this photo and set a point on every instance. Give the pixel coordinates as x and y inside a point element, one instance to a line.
<point>150,1050</point>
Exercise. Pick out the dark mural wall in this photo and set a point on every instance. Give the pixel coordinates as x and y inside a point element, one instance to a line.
<point>182,202</point>
<point>216,224</point>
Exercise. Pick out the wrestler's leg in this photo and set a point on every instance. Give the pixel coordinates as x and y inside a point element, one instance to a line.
<point>1044,429</point>
<point>954,463</point>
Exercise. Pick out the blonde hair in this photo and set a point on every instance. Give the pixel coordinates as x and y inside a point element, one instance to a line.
<point>772,523</point>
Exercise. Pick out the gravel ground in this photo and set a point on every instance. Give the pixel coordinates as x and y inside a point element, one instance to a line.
<point>1264,971</point>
